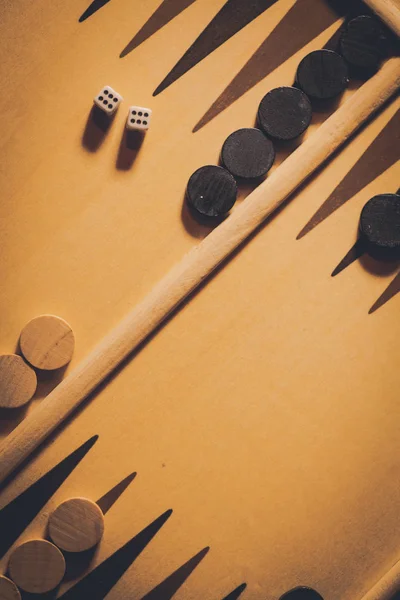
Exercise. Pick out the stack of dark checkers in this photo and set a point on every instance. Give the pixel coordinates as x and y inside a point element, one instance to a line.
<point>249,153</point>
<point>284,114</point>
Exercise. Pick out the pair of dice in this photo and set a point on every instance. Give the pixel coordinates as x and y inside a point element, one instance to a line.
<point>108,100</point>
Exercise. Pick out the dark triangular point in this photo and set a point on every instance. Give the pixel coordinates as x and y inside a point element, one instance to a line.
<point>382,153</point>
<point>168,10</point>
<point>233,16</point>
<point>92,8</point>
<point>388,294</point>
<point>285,40</point>
<point>236,593</point>
<point>353,254</point>
<point>110,498</point>
<point>19,513</point>
<point>99,582</point>
<point>170,586</point>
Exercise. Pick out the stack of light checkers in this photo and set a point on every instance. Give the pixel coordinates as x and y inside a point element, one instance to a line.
<point>38,566</point>
<point>46,343</point>
<point>284,114</point>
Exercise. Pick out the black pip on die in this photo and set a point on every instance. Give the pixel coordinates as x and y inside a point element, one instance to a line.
<point>108,100</point>
<point>139,118</point>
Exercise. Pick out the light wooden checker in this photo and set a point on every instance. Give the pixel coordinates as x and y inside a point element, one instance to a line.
<point>8,589</point>
<point>17,381</point>
<point>47,342</point>
<point>37,566</point>
<point>76,525</point>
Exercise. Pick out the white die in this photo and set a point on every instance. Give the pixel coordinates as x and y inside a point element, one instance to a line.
<point>139,117</point>
<point>108,100</point>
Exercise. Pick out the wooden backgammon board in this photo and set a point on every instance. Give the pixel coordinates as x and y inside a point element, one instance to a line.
<point>250,446</point>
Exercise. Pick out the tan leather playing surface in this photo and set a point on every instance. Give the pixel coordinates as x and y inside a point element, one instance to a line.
<point>266,412</point>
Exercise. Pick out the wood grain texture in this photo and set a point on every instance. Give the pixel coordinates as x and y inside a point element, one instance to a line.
<point>388,11</point>
<point>17,381</point>
<point>197,266</point>
<point>8,589</point>
<point>37,566</point>
<point>363,45</point>
<point>47,342</point>
<point>76,525</point>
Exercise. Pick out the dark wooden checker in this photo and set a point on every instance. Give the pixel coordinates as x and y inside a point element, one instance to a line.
<point>264,413</point>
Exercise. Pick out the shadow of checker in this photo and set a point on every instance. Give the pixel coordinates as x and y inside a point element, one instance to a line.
<point>22,510</point>
<point>97,583</point>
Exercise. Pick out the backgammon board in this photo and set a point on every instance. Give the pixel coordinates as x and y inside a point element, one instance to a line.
<point>264,413</point>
